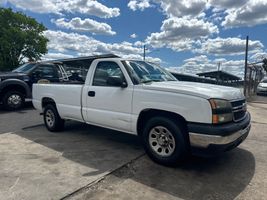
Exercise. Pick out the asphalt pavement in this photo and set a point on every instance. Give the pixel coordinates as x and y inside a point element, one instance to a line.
<point>88,162</point>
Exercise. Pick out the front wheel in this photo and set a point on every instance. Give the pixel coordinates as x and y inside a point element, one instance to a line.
<point>13,100</point>
<point>52,120</point>
<point>165,141</point>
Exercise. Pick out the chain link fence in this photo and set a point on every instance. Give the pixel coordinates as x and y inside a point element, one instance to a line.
<point>255,74</point>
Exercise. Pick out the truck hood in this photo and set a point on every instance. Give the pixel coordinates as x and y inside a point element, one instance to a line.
<point>9,75</point>
<point>202,90</point>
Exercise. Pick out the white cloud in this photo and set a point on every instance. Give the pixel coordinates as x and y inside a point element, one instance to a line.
<point>82,45</point>
<point>56,56</point>
<point>181,8</point>
<point>234,13</point>
<point>139,4</point>
<point>62,41</point>
<point>250,14</point>
<point>172,8</point>
<point>227,4</point>
<point>133,36</point>
<point>86,25</point>
<point>140,57</point>
<point>202,63</point>
<point>179,33</point>
<point>228,46</point>
<point>139,43</point>
<point>44,6</point>
<point>88,7</point>
<point>201,58</point>
<point>235,67</point>
<point>259,56</point>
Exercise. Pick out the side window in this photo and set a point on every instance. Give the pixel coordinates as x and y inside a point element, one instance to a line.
<point>77,71</point>
<point>105,70</point>
<point>45,72</point>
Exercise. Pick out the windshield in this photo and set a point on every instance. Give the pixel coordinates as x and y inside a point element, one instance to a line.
<point>264,81</point>
<point>24,68</point>
<point>146,72</point>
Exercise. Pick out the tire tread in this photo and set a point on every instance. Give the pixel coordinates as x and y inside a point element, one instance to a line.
<point>59,122</point>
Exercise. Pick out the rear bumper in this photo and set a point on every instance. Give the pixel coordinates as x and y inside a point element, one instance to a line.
<point>220,138</point>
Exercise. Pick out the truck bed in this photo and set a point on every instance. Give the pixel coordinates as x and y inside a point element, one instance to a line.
<point>67,96</point>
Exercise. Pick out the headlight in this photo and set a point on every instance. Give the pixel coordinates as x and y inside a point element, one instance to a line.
<point>221,111</point>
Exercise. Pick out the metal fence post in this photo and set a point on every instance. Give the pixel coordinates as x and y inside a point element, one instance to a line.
<point>246,68</point>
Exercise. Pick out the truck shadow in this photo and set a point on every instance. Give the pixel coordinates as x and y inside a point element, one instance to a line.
<point>91,146</point>
<point>27,106</point>
<point>223,177</point>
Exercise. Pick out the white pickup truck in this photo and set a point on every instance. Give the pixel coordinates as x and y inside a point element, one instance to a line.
<point>173,118</point>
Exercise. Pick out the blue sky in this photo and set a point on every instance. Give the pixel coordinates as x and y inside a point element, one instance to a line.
<point>187,36</point>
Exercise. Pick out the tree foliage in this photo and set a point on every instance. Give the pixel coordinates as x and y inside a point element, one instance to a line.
<point>264,65</point>
<point>20,37</point>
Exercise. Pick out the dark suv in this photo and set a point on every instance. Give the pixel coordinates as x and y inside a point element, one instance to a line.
<point>16,86</point>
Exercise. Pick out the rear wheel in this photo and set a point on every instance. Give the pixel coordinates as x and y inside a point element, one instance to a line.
<point>52,120</point>
<point>165,141</point>
<point>13,100</point>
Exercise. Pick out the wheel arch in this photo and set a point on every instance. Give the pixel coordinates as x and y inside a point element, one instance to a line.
<point>57,121</point>
<point>147,114</point>
<point>16,85</point>
<point>48,101</point>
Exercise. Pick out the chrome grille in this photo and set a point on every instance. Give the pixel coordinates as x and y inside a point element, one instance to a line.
<point>239,109</point>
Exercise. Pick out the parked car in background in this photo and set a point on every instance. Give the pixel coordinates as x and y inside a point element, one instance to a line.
<point>173,118</point>
<point>262,87</point>
<point>16,86</point>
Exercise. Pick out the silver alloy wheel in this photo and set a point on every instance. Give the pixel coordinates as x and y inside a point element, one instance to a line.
<point>50,118</point>
<point>161,141</point>
<point>14,100</point>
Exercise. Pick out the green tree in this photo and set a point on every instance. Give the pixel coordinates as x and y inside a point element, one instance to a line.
<point>264,65</point>
<point>20,37</point>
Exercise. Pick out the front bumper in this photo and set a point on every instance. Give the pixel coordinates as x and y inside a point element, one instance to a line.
<point>218,138</point>
<point>262,90</point>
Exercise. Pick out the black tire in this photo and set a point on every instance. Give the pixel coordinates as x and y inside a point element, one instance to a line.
<point>13,100</point>
<point>180,147</point>
<point>52,120</point>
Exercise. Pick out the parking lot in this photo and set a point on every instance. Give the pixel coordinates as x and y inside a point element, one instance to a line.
<point>87,162</point>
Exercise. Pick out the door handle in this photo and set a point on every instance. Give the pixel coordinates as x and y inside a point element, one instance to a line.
<point>91,93</point>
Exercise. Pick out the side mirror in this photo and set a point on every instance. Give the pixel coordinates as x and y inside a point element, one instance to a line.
<point>117,81</point>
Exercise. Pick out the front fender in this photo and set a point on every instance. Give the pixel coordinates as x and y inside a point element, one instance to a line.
<point>16,82</point>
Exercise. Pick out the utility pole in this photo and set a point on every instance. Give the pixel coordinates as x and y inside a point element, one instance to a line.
<point>246,68</point>
<point>219,66</point>
<point>218,71</point>
<point>144,53</point>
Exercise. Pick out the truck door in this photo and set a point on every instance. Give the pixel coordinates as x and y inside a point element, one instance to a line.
<point>109,104</point>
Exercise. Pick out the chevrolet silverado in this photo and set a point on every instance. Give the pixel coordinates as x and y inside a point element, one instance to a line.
<point>173,118</point>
